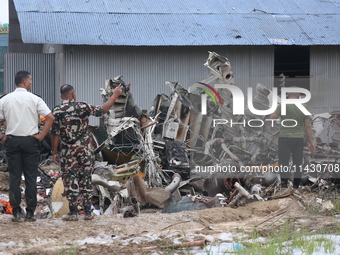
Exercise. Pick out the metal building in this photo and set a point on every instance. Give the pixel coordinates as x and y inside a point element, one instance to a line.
<point>3,50</point>
<point>149,42</point>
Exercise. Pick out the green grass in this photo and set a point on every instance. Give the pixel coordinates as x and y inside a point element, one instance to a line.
<point>336,203</point>
<point>284,240</point>
<point>69,250</point>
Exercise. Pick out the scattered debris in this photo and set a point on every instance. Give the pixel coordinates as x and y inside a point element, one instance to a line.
<point>190,152</point>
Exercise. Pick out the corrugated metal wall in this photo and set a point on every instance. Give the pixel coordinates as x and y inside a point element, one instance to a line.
<point>252,65</point>
<point>3,50</point>
<point>325,78</point>
<point>148,68</point>
<point>42,69</point>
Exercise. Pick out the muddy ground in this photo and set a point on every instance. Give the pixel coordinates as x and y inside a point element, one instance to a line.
<point>154,233</point>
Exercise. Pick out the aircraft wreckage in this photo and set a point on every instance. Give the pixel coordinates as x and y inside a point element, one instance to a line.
<point>191,151</point>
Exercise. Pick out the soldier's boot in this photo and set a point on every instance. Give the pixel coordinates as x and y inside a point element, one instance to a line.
<point>72,215</point>
<point>88,212</point>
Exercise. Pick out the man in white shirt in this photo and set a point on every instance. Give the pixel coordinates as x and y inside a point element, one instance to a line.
<point>20,110</point>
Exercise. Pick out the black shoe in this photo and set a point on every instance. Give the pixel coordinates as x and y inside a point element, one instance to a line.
<point>16,214</point>
<point>30,215</point>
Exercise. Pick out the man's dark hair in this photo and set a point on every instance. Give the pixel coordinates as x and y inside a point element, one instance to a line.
<point>21,76</point>
<point>66,88</point>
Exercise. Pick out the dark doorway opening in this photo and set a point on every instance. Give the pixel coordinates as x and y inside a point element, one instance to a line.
<point>292,62</point>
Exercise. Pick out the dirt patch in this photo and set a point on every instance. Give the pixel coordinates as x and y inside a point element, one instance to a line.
<point>153,232</point>
<point>107,234</point>
<point>226,214</point>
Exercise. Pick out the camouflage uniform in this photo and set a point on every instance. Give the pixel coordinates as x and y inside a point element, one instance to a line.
<point>77,152</point>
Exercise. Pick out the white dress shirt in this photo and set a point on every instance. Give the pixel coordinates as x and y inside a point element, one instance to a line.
<point>21,109</point>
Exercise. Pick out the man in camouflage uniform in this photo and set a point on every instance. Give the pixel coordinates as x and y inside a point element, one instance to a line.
<point>77,153</point>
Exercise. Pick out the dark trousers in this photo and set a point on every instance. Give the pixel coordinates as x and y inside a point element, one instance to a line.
<point>22,154</point>
<point>291,147</point>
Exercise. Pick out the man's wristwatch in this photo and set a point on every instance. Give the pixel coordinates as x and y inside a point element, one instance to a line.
<point>53,153</point>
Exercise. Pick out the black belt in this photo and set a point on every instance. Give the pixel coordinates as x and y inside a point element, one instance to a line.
<point>11,136</point>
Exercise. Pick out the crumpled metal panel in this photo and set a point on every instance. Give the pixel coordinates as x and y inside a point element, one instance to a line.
<point>178,22</point>
<point>244,144</point>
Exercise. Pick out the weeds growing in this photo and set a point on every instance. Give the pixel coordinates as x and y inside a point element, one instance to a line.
<point>70,250</point>
<point>286,239</point>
